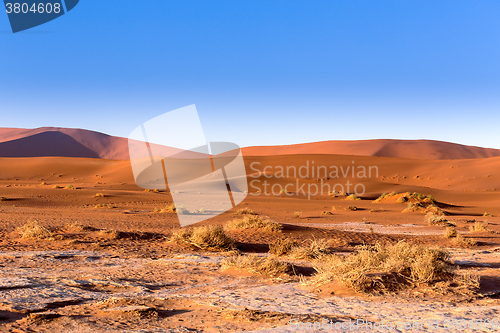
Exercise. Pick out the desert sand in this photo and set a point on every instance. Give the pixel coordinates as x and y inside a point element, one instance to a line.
<point>110,264</point>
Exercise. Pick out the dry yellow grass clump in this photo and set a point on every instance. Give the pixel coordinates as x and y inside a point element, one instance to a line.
<point>32,230</point>
<point>245,211</point>
<point>385,196</point>
<point>102,205</point>
<point>388,268</point>
<point>352,197</point>
<point>254,222</point>
<point>211,238</point>
<point>462,241</point>
<point>172,208</point>
<point>479,227</point>
<point>450,232</point>
<point>260,265</point>
<point>433,219</point>
<point>315,249</point>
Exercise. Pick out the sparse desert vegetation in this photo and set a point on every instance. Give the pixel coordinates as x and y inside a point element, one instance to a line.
<point>33,230</point>
<point>433,219</point>
<point>254,222</point>
<point>389,268</point>
<point>245,211</point>
<point>265,266</point>
<point>464,241</point>
<point>172,208</point>
<point>210,238</point>
<point>479,227</point>
<point>352,197</point>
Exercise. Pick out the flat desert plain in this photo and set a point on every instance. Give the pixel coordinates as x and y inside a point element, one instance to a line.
<point>83,249</point>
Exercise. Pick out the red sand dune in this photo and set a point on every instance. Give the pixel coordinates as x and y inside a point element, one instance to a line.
<point>414,149</point>
<point>68,142</point>
<point>64,142</point>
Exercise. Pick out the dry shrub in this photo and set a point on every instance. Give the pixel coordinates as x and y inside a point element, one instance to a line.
<point>102,205</point>
<point>245,211</point>
<point>479,227</point>
<point>254,222</point>
<point>281,247</point>
<point>262,266</point>
<point>386,268</point>
<point>76,226</point>
<point>433,219</point>
<point>69,187</point>
<point>211,238</point>
<point>487,214</point>
<point>99,195</point>
<point>353,208</point>
<point>385,196</point>
<point>326,212</point>
<point>297,214</point>
<point>112,234</point>
<point>462,241</point>
<point>435,210</point>
<point>32,230</point>
<point>352,197</point>
<point>314,250</point>
<point>450,232</point>
<point>172,208</point>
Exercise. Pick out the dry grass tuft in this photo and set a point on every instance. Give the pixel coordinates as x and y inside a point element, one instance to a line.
<point>172,208</point>
<point>102,205</point>
<point>462,241</point>
<point>210,238</point>
<point>326,212</point>
<point>314,250</point>
<point>262,266</point>
<point>352,197</point>
<point>32,230</point>
<point>245,211</point>
<point>433,219</point>
<point>385,196</point>
<point>70,187</point>
<point>450,232</point>
<point>386,268</point>
<point>99,195</point>
<point>297,214</point>
<point>479,227</point>
<point>254,222</point>
<point>281,247</point>
<point>487,214</point>
<point>353,208</point>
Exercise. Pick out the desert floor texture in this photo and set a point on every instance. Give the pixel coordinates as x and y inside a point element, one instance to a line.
<point>110,264</point>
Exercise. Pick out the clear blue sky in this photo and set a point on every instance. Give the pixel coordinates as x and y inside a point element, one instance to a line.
<point>262,72</point>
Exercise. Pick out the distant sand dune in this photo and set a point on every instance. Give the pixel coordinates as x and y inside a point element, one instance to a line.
<point>16,142</point>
